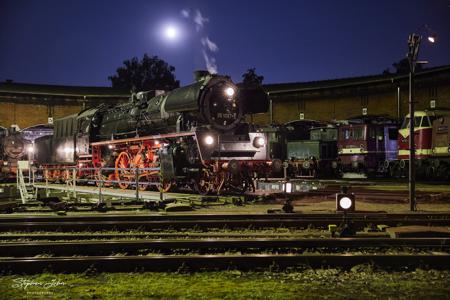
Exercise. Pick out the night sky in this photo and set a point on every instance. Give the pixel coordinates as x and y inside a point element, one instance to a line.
<point>83,42</point>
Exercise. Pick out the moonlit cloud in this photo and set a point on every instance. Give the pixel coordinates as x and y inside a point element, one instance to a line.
<point>186,13</point>
<point>209,44</point>
<point>199,20</point>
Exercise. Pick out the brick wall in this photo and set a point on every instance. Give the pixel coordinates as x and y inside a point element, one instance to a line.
<point>331,107</point>
<point>26,115</point>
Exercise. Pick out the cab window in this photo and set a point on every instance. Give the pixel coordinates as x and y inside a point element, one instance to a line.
<point>425,122</point>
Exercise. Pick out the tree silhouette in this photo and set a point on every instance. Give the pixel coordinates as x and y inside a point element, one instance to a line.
<point>402,67</point>
<point>151,73</point>
<point>251,79</point>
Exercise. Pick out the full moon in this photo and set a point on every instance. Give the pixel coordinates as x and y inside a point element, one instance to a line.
<point>171,32</point>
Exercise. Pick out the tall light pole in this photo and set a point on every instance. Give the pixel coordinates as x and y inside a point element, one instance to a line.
<point>413,53</point>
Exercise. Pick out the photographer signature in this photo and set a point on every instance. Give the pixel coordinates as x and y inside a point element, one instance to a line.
<point>24,284</point>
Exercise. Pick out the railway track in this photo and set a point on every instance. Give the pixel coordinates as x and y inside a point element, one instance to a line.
<point>175,216</point>
<point>29,249</point>
<point>164,222</point>
<point>30,265</point>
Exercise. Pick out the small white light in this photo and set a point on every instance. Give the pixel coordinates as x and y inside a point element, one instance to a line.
<point>345,202</point>
<point>30,149</point>
<point>229,91</point>
<point>156,142</point>
<point>209,140</point>
<point>110,146</point>
<point>80,165</point>
<point>288,187</point>
<point>431,39</point>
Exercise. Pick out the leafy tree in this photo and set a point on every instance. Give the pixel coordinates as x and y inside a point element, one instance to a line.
<point>151,73</point>
<point>402,67</point>
<point>251,79</point>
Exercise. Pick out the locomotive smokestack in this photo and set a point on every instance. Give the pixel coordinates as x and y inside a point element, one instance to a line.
<point>200,75</point>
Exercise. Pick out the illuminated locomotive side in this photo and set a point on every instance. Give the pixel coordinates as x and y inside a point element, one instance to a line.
<point>422,141</point>
<point>193,136</point>
<point>440,164</point>
<point>367,147</point>
<point>422,135</point>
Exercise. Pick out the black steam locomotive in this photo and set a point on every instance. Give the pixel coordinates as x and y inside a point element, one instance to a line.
<point>194,136</point>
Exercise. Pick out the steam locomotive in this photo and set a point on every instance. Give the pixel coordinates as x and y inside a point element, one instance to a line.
<point>194,136</point>
<point>16,144</point>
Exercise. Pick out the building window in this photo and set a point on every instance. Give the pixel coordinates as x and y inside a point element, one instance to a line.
<point>301,105</point>
<point>364,100</point>
<point>432,92</point>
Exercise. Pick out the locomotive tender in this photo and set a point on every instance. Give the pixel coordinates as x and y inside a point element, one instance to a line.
<point>193,136</point>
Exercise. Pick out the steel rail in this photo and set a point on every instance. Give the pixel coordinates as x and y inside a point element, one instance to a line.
<point>215,245</point>
<point>122,225</point>
<point>31,265</point>
<point>377,216</point>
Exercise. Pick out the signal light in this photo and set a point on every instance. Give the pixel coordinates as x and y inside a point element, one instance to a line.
<point>345,201</point>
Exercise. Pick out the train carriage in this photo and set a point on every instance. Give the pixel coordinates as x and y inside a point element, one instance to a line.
<point>367,145</point>
<point>316,156</point>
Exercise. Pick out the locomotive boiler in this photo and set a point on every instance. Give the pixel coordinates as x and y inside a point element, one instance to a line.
<point>194,136</point>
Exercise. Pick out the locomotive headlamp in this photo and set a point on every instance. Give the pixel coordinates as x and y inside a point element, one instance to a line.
<point>30,149</point>
<point>345,201</point>
<point>229,91</point>
<point>209,140</point>
<point>259,142</point>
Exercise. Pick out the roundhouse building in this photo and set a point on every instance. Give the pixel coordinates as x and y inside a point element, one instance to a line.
<point>31,104</point>
<point>341,99</point>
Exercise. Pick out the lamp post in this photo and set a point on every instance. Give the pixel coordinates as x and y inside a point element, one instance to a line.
<point>413,45</point>
<point>413,52</point>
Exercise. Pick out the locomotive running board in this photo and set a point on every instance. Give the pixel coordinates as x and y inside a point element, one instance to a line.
<point>139,139</point>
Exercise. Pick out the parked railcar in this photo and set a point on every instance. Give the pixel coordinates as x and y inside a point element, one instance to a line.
<point>423,141</point>
<point>439,167</point>
<point>367,145</point>
<point>314,157</point>
<point>16,144</point>
<point>306,147</point>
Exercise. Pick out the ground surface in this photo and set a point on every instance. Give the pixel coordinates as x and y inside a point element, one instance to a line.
<point>359,283</point>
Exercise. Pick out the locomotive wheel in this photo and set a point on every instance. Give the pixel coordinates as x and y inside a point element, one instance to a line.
<point>237,184</point>
<point>144,183</point>
<point>203,185</point>
<point>123,162</point>
<point>103,178</point>
<point>67,176</point>
<point>48,175</point>
<point>165,186</point>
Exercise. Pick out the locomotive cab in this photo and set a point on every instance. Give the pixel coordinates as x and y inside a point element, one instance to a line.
<point>422,135</point>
